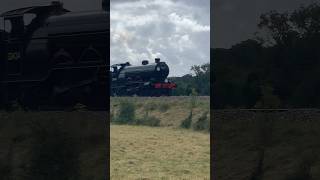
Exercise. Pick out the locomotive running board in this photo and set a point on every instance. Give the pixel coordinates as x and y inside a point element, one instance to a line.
<point>60,90</point>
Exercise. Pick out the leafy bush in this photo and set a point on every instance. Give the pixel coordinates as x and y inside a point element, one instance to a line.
<point>126,112</point>
<point>163,107</point>
<point>151,106</point>
<point>268,99</point>
<point>203,123</point>
<point>187,122</point>
<point>112,115</point>
<point>193,101</point>
<point>148,121</point>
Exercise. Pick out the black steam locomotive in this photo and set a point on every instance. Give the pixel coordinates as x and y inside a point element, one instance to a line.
<point>51,56</point>
<point>145,80</point>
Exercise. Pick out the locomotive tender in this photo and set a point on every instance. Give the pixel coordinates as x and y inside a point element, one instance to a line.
<point>145,80</point>
<point>51,56</point>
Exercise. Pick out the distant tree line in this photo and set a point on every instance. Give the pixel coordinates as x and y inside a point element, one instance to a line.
<point>198,81</point>
<point>280,67</point>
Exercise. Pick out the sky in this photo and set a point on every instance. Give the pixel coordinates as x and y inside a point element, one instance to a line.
<point>176,31</point>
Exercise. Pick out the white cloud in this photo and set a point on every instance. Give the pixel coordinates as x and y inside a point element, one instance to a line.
<point>177,32</point>
<point>184,23</point>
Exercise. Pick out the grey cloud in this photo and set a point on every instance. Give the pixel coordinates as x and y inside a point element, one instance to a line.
<point>175,31</point>
<point>180,45</point>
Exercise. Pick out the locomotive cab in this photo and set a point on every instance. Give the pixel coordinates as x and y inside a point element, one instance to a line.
<point>50,55</point>
<point>14,28</point>
<point>19,25</point>
<point>24,21</point>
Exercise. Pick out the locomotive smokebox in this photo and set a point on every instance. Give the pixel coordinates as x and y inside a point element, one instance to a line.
<point>157,60</point>
<point>145,62</point>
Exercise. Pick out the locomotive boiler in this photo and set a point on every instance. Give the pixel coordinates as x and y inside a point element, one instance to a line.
<point>144,80</point>
<point>51,56</point>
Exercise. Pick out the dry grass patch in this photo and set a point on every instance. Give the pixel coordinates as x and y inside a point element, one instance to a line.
<point>139,152</point>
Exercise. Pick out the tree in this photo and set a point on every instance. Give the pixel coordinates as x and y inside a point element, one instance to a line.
<point>285,28</point>
<point>202,78</point>
<point>268,99</point>
<point>277,25</point>
<point>279,67</point>
<point>307,20</point>
<point>199,80</point>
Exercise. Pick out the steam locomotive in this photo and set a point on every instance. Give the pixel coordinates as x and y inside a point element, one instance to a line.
<point>145,80</point>
<point>51,56</point>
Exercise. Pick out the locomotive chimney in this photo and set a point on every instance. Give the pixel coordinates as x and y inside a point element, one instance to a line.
<point>145,62</point>
<point>57,3</point>
<point>157,60</point>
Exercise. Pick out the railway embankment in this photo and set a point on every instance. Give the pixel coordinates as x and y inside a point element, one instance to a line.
<point>264,144</point>
<point>165,111</point>
<point>53,145</point>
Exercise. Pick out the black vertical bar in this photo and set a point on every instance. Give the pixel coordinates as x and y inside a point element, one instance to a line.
<point>212,146</point>
<point>106,6</point>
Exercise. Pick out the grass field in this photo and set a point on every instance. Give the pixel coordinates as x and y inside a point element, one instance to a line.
<point>139,152</point>
<point>31,141</point>
<point>165,152</point>
<point>43,139</point>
